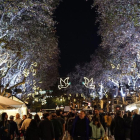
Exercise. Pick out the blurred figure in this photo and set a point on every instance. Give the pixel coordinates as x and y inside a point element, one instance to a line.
<point>57,127</point>
<point>5,128</point>
<point>101,118</point>
<point>24,117</point>
<point>26,122</point>
<point>112,115</point>
<point>128,126</point>
<point>136,126</point>
<point>80,129</point>
<point>109,120</point>
<point>13,128</point>
<point>46,128</point>
<point>32,132</point>
<point>70,123</point>
<point>124,116</point>
<point>61,114</point>
<point>37,119</point>
<point>42,118</point>
<point>105,118</point>
<point>18,121</point>
<point>98,131</point>
<point>62,121</point>
<point>118,127</point>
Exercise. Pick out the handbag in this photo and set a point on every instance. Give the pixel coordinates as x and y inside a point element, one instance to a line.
<point>106,138</point>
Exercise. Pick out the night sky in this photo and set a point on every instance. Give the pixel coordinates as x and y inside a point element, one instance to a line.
<point>77,33</point>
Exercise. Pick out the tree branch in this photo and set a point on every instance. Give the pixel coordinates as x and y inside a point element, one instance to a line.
<point>18,84</point>
<point>8,70</point>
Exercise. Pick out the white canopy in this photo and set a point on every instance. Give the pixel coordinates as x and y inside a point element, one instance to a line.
<point>9,102</point>
<point>5,106</point>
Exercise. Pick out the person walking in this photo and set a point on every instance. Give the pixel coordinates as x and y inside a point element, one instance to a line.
<point>32,132</point>
<point>37,119</point>
<point>109,120</point>
<point>26,122</point>
<point>13,128</point>
<point>80,129</point>
<point>102,120</point>
<point>62,121</point>
<point>46,128</point>
<point>98,131</point>
<point>135,126</point>
<point>128,126</point>
<point>118,127</point>
<point>70,123</point>
<point>57,127</point>
<point>18,121</point>
<point>24,117</point>
<point>5,128</point>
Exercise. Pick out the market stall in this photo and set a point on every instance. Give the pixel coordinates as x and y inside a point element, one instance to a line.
<point>134,106</point>
<point>12,106</point>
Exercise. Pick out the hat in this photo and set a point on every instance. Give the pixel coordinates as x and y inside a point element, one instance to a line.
<point>12,117</point>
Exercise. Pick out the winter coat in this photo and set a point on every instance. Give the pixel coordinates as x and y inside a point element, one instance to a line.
<point>128,127</point>
<point>32,134</point>
<point>97,133</point>
<point>57,128</point>
<point>77,125</point>
<point>136,128</point>
<point>102,120</point>
<point>118,127</point>
<point>13,128</point>
<point>5,135</point>
<point>46,130</point>
<point>70,123</point>
<point>109,120</point>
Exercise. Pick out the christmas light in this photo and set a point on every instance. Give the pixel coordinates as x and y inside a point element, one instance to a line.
<point>113,66</point>
<point>64,83</point>
<point>89,83</point>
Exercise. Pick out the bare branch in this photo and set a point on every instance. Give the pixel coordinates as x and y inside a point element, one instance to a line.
<point>18,84</point>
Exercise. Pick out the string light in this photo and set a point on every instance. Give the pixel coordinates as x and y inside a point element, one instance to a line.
<point>64,83</point>
<point>89,83</point>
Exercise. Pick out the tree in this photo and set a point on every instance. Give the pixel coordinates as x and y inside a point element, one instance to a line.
<point>27,32</point>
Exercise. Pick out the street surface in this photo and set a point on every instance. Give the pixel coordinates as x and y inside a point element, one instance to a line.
<point>67,137</point>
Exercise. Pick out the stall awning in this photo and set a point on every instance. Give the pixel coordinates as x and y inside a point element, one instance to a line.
<point>9,102</point>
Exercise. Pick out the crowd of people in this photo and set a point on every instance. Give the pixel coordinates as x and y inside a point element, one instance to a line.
<point>80,126</point>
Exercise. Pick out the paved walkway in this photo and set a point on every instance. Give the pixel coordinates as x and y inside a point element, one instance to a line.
<point>67,137</point>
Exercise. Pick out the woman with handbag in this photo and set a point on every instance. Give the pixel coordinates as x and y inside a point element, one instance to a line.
<point>98,131</point>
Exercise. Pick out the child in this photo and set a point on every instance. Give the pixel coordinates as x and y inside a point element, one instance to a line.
<point>98,131</point>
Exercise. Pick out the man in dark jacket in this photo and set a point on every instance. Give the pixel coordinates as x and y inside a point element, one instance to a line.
<point>80,127</point>
<point>136,128</point>
<point>118,127</point>
<point>128,126</point>
<point>62,121</point>
<point>14,128</point>
<point>70,123</point>
<point>57,127</point>
<point>46,128</point>
<point>5,128</point>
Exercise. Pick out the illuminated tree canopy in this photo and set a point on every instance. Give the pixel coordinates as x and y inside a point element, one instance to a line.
<point>28,44</point>
<point>116,65</point>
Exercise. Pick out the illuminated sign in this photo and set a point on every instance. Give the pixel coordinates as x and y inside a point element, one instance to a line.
<point>64,83</point>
